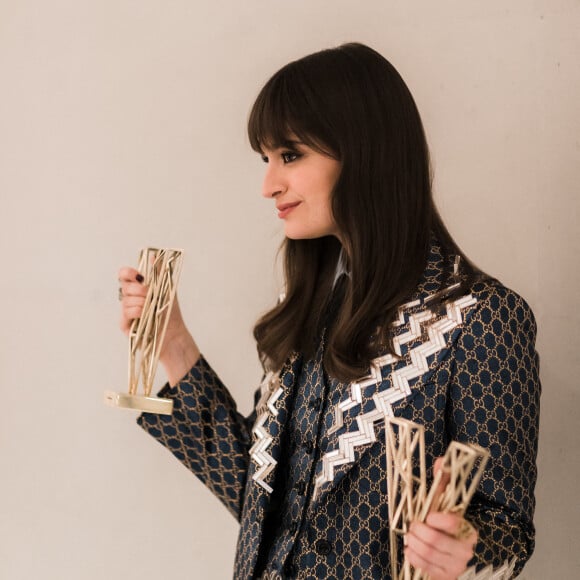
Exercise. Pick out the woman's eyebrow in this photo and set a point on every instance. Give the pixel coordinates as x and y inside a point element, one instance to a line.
<point>284,144</point>
<point>291,143</point>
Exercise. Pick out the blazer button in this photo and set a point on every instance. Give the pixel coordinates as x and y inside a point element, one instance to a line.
<point>323,547</point>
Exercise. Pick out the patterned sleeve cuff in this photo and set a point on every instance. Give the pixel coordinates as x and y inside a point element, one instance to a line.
<point>169,392</point>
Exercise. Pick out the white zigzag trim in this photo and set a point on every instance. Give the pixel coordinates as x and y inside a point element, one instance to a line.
<point>366,434</point>
<point>415,330</point>
<point>258,451</point>
<point>504,572</point>
<point>400,388</point>
<point>401,312</point>
<point>355,397</point>
<point>436,342</point>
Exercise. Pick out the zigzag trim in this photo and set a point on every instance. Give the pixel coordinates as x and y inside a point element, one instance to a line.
<point>375,376</point>
<point>270,393</point>
<point>415,329</point>
<point>355,397</point>
<point>401,312</point>
<point>366,434</point>
<point>436,342</point>
<point>505,572</point>
<point>400,389</point>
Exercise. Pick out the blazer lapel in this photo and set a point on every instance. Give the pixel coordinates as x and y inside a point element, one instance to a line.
<point>272,413</point>
<point>271,416</point>
<point>421,337</point>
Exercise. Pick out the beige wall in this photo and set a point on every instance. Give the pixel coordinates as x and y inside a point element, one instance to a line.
<point>122,125</point>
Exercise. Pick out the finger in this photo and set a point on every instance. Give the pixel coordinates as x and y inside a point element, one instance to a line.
<point>438,466</point>
<point>441,480</point>
<point>452,524</point>
<point>446,522</point>
<point>128,317</point>
<point>419,562</point>
<point>437,553</point>
<point>130,301</point>
<point>133,289</point>
<point>132,308</point>
<point>439,539</point>
<point>132,313</point>
<point>426,539</point>
<point>128,274</point>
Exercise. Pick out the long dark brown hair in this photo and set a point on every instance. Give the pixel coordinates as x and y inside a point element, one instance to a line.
<point>350,103</point>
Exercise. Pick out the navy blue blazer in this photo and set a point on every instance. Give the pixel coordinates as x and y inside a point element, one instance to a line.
<point>466,370</point>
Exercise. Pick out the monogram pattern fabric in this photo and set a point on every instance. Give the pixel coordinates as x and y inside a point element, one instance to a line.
<point>470,374</point>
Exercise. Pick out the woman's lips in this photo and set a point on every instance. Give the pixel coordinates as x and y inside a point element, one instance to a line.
<point>285,208</point>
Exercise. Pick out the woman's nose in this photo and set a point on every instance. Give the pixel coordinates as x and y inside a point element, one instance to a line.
<point>273,183</point>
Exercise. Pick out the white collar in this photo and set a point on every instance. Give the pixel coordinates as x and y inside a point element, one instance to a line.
<point>340,268</point>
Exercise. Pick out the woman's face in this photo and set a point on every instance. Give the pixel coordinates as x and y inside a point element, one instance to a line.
<point>300,180</point>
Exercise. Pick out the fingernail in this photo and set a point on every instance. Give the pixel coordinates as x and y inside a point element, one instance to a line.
<point>140,278</point>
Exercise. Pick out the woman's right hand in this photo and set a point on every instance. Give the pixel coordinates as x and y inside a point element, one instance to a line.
<point>179,351</point>
<point>132,293</point>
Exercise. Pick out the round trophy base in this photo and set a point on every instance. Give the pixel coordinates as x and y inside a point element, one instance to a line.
<point>139,403</point>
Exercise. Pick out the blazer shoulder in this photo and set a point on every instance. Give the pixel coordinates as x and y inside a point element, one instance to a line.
<point>499,308</point>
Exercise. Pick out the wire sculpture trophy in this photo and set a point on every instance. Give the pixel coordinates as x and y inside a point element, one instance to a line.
<point>160,269</point>
<point>409,501</point>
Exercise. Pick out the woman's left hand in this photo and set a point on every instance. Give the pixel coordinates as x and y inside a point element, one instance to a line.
<point>434,548</point>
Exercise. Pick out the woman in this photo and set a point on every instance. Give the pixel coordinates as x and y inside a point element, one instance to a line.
<point>378,296</point>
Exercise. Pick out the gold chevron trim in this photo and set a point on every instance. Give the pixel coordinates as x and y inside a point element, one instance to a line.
<point>348,442</point>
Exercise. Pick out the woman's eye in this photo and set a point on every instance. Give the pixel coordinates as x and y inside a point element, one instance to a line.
<point>289,156</point>
<point>264,158</point>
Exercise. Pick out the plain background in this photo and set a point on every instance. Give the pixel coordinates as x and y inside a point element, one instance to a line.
<point>122,125</point>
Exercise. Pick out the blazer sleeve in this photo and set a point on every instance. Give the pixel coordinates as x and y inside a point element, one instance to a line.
<point>494,402</point>
<point>206,433</point>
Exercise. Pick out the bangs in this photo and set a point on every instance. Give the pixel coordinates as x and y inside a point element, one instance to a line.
<point>284,112</point>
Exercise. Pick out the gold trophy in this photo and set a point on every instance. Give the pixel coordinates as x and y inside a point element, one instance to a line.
<point>160,269</point>
<point>409,499</point>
